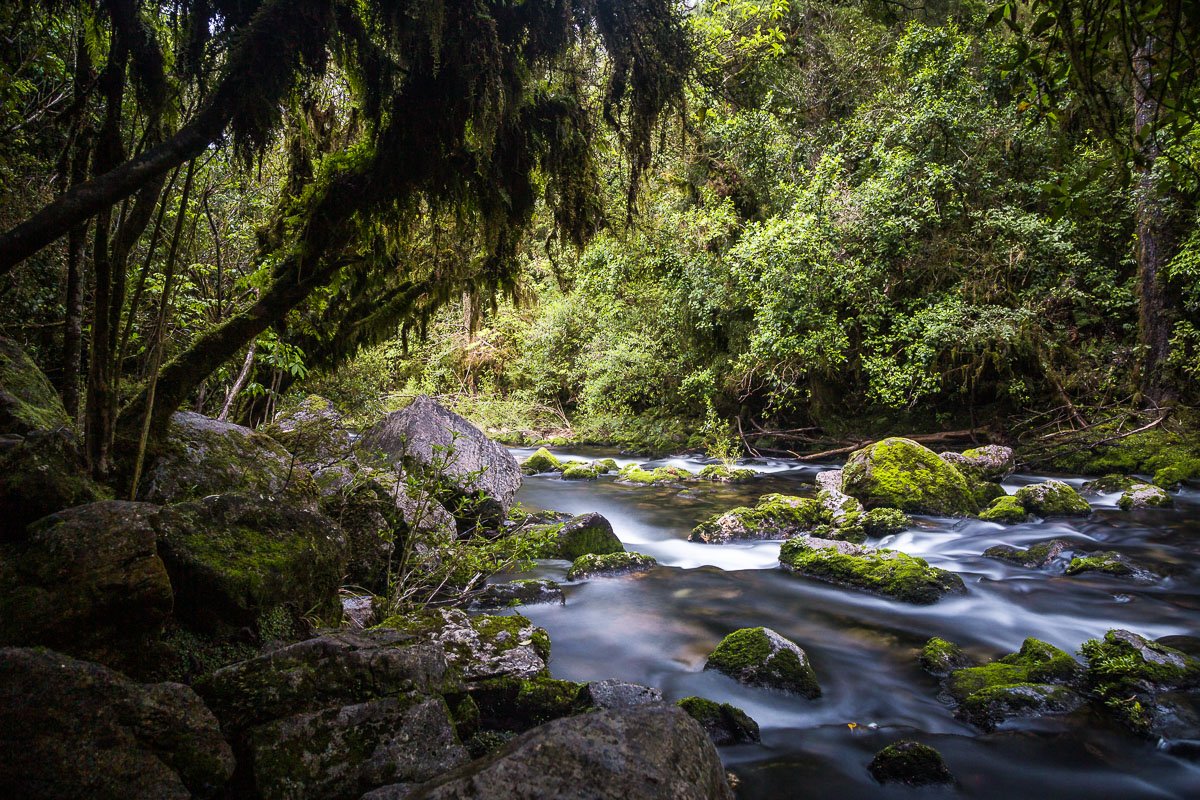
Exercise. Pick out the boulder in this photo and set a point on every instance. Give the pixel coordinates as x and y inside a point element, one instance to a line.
<point>41,472</point>
<point>909,763</point>
<point>87,581</point>
<point>1112,484</point>
<point>517,704</point>
<point>880,522</point>
<point>431,439</point>
<point>586,534</point>
<point>645,753</point>
<point>719,473</point>
<point>776,516</point>
<point>899,473</point>
<point>724,724</point>
<point>992,462</point>
<point>761,657</point>
<point>481,647</point>
<point>1036,681</point>
<point>72,728</point>
<point>519,593</point>
<point>1144,495</point>
<point>201,456</point>
<point>582,472</point>
<point>940,657</point>
<point>1052,499</point>
<point>1109,562</point>
<point>28,403</point>
<point>1035,556</point>
<point>885,572</point>
<point>1006,510</point>
<point>993,705</point>
<point>234,557</point>
<point>659,476</point>
<point>540,462</point>
<point>315,433</point>
<point>373,528</point>
<point>619,694</point>
<point>609,565</point>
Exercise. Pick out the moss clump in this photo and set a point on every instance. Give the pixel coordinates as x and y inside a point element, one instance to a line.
<point>992,705</point>
<point>941,657</point>
<point>1111,483</point>
<point>660,476</point>
<point>776,516</point>
<point>1036,662</point>
<point>722,474</point>
<point>27,400</point>
<point>1127,673</point>
<point>886,572</point>
<point>541,461</point>
<point>1143,495</point>
<point>581,472</point>
<point>724,724</point>
<point>1006,510</point>
<point>584,534</point>
<point>606,465</point>
<point>1052,499</point>
<point>1172,475</point>
<point>985,492</point>
<point>910,763</point>
<point>1109,562</point>
<point>899,473</point>
<point>592,565</point>
<point>1170,455</point>
<point>880,522</point>
<point>1036,555</point>
<point>761,657</point>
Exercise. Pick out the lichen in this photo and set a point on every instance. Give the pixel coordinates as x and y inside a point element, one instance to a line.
<point>899,473</point>
<point>886,572</point>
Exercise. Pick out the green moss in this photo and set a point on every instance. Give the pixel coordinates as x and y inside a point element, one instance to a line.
<point>1052,499</point>
<point>941,657</point>
<point>1172,475</point>
<point>1006,510</point>
<point>606,465</point>
<point>1143,495</point>
<point>759,657</point>
<point>1035,662</point>
<point>910,763</point>
<point>609,564</point>
<point>776,516</point>
<point>725,724</point>
<point>985,492</point>
<point>1170,455</point>
<point>581,472</point>
<point>886,572</point>
<point>1126,672</point>
<point>1108,562</point>
<point>660,476</point>
<point>1112,483</point>
<point>1036,555</point>
<point>899,473</point>
<point>27,400</point>
<point>586,534</point>
<point>541,461</point>
<point>994,704</point>
<point>880,522</point>
<point>722,474</point>
<point>464,713</point>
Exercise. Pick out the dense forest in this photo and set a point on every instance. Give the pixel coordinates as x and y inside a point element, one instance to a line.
<point>321,319</point>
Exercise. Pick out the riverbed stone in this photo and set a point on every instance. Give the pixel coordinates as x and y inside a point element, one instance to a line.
<point>645,753</point>
<point>659,476</point>
<point>584,534</point>
<point>521,592</point>
<point>775,516</point>
<point>1112,484</point>
<point>541,461</point>
<point>75,729</point>
<point>1036,556</point>
<point>991,462</point>
<point>481,647</point>
<point>719,473</point>
<point>1052,499</point>
<point>620,694</point>
<point>940,657</point>
<point>899,473</point>
<point>910,763</point>
<point>993,705</point>
<point>1006,510</point>
<point>1144,495</point>
<point>1108,562</point>
<point>761,657</point>
<point>725,724</point>
<point>885,572</point>
<point>610,565</point>
<point>1038,680</point>
<point>880,522</point>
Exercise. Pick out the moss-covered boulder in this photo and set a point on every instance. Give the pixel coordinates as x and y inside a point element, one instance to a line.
<point>621,694</point>
<point>582,472</point>
<point>761,657</point>
<point>940,657</point>
<point>74,729</point>
<point>885,572</point>
<point>41,473</point>
<point>899,473</point>
<point>540,462</point>
<point>518,704</point>
<point>719,473</point>
<point>992,462</point>
<point>1052,499</point>
<point>724,724</point>
<point>994,705</point>
<point>659,476</point>
<point>1144,684</point>
<point>1035,556</point>
<point>28,403</point>
<point>586,534</point>
<point>1006,510</point>
<point>880,522</point>
<point>1143,495</point>
<point>1036,681</point>
<point>522,592</point>
<point>318,436</point>
<point>610,565</point>
<point>985,492</point>
<point>233,557</point>
<point>1108,562</point>
<point>909,763</point>
<point>775,516</point>
<point>1111,484</point>
<point>481,647</point>
<point>87,581</point>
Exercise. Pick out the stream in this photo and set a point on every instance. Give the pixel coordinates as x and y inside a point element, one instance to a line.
<point>657,628</point>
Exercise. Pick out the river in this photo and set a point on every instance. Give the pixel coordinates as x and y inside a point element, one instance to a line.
<point>657,629</point>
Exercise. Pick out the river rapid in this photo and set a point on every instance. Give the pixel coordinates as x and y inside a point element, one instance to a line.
<point>657,629</point>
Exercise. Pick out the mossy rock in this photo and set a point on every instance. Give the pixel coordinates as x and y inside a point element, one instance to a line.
<point>761,657</point>
<point>985,493</point>
<point>581,472</point>
<point>1036,662</point>
<point>880,522</point>
<point>609,565</point>
<point>1113,483</point>
<point>28,402</point>
<point>659,476</point>
<point>885,572</point>
<point>481,647</point>
<point>719,473</point>
<point>1052,499</point>
<point>1033,557</point>
<point>1173,475</point>
<point>1108,562</point>
<point>991,462</point>
<point>899,473</point>
<point>1143,495</point>
<point>41,473</point>
<point>586,534</point>
<point>515,704</point>
<point>1006,510</point>
<point>776,516</point>
<point>541,461</point>
<point>993,705</point>
<point>1132,676</point>
<point>725,724</point>
<point>525,591</point>
<point>941,657</point>
<point>909,763</point>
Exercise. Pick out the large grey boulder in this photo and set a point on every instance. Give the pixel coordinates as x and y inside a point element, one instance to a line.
<point>73,729</point>
<point>433,439</point>
<point>87,581</point>
<point>28,402</point>
<point>642,753</point>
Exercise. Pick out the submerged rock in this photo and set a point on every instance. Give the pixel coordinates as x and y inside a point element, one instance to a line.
<point>1006,510</point>
<point>73,729</point>
<point>1033,557</point>
<point>992,462</point>
<point>519,593</point>
<point>1144,495</point>
<point>993,705</point>
<point>940,657</point>
<point>885,572</point>
<point>1052,499</point>
<point>761,657</point>
<point>910,763</point>
<point>899,473</point>
<point>776,516</point>
<point>1034,682</point>
<point>724,724</point>
<point>612,564</point>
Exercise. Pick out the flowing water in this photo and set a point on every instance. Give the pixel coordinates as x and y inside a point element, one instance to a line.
<point>657,629</point>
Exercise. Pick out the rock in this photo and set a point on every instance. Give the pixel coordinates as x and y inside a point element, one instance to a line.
<point>724,724</point>
<point>992,462</point>
<point>886,572</point>
<point>358,612</point>
<point>610,565</point>
<point>1112,484</point>
<point>994,705</point>
<point>940,657</point>
<point>660,476</point>
<point>1034,557</point>
<point>776,516</point>
<point>645,753</point>
<point>429,438</point>
<point>843,509</point>
<point>587,534</point>
<point>338,753</point>
<point>540,462</point>
<point>481,647</point>
<point>985,492</point>
<point>202,457</point>
<point>422,512</point>
<point>232,558</point>
<point>611,694</point>
<point>1108,562</point>
<point>582,472</point>
<point>1006,510</point>
<point>518,704</point>
<point>1143,495</point>
<point>40,473</point>
<point>830,479</point>
<point>317,435</point>
<point>910,763</point>
<point>1144,685</point>
<point>28,403</point>
<point>899,473</point>
<point>87,581</point>
<point>719,473</point>
<point>75,729</point>
<point>761,657</point>
<point>880,522</point>
<point>1052,499</point>
<point>1028,683</point>
<point>373,528</point>
<point>520,593</point>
